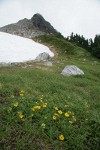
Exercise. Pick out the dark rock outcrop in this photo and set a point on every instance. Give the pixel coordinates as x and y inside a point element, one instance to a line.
<point>30,28</point>
<point>41,24</point>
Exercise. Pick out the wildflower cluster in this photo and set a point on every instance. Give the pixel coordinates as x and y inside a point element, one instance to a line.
<point>43,114</point>
<point>69,115</point>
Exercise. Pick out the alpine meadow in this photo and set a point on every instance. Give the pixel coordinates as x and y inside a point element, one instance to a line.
<point>42,109</point>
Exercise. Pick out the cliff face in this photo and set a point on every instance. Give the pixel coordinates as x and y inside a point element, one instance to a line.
<point>30,28</point>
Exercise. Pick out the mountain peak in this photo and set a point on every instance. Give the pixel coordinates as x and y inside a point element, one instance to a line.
<point>40,23</point>
<point>37,19</point>
<point>30,28</point>
<point>37,15</point>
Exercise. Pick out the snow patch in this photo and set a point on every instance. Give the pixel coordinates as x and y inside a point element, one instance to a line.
<point>15,49</point>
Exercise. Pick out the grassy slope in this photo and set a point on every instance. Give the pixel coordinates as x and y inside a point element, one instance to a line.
<point>62,46</point>
<point>78,96</point>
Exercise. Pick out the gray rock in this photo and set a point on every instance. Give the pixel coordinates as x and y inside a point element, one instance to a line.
<point>48,63</point>
<point>72,70</point>
<point>42,57</point>
<point>3,64</point>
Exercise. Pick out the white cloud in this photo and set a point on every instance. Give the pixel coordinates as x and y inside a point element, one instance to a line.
<point>78,16</point>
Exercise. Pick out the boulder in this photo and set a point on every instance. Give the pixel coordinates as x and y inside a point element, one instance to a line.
<point>42,57</point>
<point>48,63</point>
<point>72,70</point>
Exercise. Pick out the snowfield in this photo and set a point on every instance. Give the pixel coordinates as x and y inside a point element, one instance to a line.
<point>14,48</point>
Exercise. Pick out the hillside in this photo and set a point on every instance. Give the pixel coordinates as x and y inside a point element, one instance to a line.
<point>62,46</point>
<point>40,109</point>
<point>44,110</point>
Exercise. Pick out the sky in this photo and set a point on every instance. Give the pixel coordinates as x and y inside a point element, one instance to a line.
<point>66,16</point>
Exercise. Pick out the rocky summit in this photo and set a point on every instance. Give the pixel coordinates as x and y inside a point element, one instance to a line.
<point>30,28</point>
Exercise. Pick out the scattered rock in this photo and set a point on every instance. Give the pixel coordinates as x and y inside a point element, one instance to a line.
<point>72,70</point>
<point>48,63</point>
<point>42,57</point>
<point>3,64</point>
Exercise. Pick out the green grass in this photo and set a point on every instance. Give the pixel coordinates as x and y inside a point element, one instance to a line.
<point>79,95</point>
<point>62,46</point>
<point>44,89</point>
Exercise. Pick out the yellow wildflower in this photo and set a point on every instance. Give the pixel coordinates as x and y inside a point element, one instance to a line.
<point>22,91</point>
<point>37,107</point>
<point>15,104</point>
<point>41,100</point>
<point>56,108</point>
<point>60,112</point>
<point>33,109</point>
<point>61,137</point>
<point>20,115</point>
<point>54,117</point>
<point>45,105</point>
<point>21,94</point>
<point>66,114</point>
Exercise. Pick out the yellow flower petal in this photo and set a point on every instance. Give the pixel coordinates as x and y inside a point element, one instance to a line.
<point>15,104</point>
<point>45,105</point>
<point>22,91</point>
<point>21,116</point>
<point>61,137</point>
<point>33,109</point>
<point>21,94</point>
<point>37,107</point>
<point>56,108</point>
<point>60,112</point>
<point>66,114</point>
<point>54,117</point>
